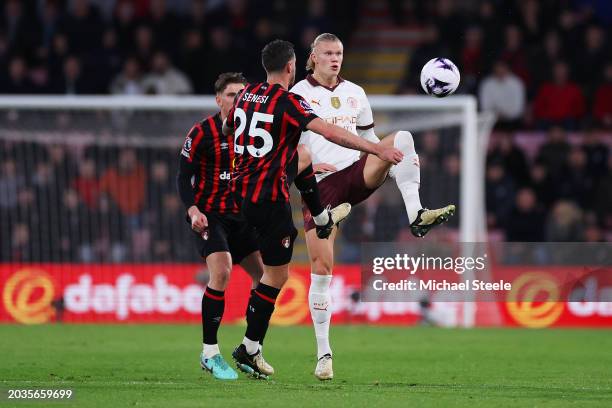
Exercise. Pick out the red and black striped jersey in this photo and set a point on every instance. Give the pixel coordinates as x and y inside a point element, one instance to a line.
<point>267,121</point>
<point>206,166</point>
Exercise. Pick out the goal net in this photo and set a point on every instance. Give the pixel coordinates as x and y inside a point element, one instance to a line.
<point>92,179</point>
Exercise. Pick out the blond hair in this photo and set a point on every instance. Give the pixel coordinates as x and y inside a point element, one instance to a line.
<point>325,37</point>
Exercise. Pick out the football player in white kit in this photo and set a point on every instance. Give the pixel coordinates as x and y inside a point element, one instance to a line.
<point>344,176</point>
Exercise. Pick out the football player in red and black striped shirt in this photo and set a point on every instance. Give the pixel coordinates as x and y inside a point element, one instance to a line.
<point>222,235</point>
<point>267,122</point>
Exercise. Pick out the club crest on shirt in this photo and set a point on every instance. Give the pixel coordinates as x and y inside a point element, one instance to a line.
<point>353,102</point>
<point>205,235</point>
<point>186,147</point>
<point>286,242</point>
<point>335,102</point>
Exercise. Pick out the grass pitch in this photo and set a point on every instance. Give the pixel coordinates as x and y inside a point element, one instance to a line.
<point>157,366</point>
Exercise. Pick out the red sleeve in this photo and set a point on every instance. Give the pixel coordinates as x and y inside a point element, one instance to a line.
<point>299,110</point>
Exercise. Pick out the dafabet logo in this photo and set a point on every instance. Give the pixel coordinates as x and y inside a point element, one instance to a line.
<point>534,300</point>
<point>27,296</point>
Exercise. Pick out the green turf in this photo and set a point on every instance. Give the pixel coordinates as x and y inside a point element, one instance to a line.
<point>154,365</point>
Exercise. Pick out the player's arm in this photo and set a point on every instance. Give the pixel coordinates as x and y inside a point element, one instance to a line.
<point>343,137</point>
<point>299,109</point>
<point>188,164</point>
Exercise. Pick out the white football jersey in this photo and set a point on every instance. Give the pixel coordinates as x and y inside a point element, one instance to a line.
<point>346,105</point>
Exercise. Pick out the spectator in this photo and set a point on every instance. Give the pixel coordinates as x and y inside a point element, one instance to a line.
<point>602,108</point>
<point>592,56</point>
<point>18,27</point>
<point>564,223</point>
<point>165,79</point>
<point>129,80</point>
<point>511,157</point>
<point>500,191</point>
<point>193,59</point>
<point>104,62</point>
<point>221,51</point>
<point>144,46</point>
<point>17,81</point>
<point>58,54</point>
<point>83,26</point>
<point>544,57</point>
<point>575,183</point>
<point>124,24</point>
<point>597,153</point>
<point>525,222</point>
<point>472,59</point>
<point>75,230</point>
<point>542,184</point>
<point>126,183</point>
<point>532,22</point>
<point>559,102</point>
<point>553,154</point>
<point>514,53</point>
<point>10,182</point>
<point>73,81</point>
<point>50,21</point>
<point>489,22</point>
<point>503,93</point>
<point>86,183</point>
<point>164,24</point>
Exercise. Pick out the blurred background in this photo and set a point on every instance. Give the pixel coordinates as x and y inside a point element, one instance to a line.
<point>72,189</point>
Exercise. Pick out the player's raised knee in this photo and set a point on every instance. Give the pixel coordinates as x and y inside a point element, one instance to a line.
<point>403,141</point>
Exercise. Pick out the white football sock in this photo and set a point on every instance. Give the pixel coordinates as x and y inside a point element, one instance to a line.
<point>251,345</point>
<point>319,302</point>
<point>408,174</point>
<point>210,350</point>
<point>321,219</point>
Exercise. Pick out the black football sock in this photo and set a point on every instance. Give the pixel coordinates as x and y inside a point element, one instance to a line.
<point>261,306</point>
<point>213,304</point>
<point>261,341</point>
<point>306,182</point>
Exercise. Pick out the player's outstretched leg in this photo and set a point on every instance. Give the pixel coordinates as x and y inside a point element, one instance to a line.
<point>213,305</point>
<point>325,219</point>
<point>408,178</point>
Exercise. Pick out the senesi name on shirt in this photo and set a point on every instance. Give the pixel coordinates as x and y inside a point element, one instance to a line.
<point>249,97</point>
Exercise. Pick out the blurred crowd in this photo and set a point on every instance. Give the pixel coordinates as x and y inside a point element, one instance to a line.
<point>111,205</point>
<point>536,63</point>
<point>136,47</point>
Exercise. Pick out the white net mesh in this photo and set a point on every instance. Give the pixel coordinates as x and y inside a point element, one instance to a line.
<point>93,179</point>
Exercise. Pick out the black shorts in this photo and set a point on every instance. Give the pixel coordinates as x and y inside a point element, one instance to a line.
<point>226,233</point>
<point>273,223</point>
